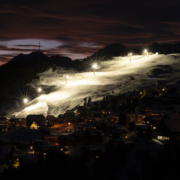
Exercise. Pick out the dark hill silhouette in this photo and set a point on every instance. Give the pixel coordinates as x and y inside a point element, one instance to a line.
<point>110,51</point>
<point>27,60</point>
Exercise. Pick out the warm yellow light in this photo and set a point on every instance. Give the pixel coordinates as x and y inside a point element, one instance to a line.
<point>67,76</point>
<point>61,149</point>
<point>69,123</point>
<point>145,50</point>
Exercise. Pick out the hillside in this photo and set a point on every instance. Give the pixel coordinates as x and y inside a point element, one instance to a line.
<point>118,75</point>
<point>110,51</point>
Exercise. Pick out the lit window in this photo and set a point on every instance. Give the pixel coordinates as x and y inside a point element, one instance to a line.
<point>167,138</point>
<point>154,127</point>
<point>147,122</point>
<point>61,149</point>
<point>44,154</point>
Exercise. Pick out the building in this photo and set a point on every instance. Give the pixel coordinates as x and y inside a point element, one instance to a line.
<point>38,119</point>
<point>169,128</point>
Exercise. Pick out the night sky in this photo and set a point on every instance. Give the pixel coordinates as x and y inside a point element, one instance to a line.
<point>78,28</point>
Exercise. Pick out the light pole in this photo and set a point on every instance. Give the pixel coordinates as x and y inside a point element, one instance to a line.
<point>94,66</point>
<point>130,54</point>
<point>66,79</point>
<point>145,52</point>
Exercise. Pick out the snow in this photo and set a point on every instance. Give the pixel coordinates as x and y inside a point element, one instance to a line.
<point>118,75</point>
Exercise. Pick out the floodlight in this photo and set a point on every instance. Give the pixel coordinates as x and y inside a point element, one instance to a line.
<point>25,100</point>
<point>94,66</point>
<point>39,89</point>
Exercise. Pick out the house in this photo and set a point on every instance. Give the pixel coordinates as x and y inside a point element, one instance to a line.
<point>96,113</point>
<point>165,100</point>
<point>60,119</point>
<point>91,153</point>
<point>169,128</point>
<point>170,89</point>
<point>144,130</point>
<point>34,126</point>
<point>53,139</point>
<point>153,111</point>
<point>85,137</point>
<point>38,119</point>
<point>14,122</point>
<point>67,142</point>
<point>154,92</point>
<point>112,118</point>
<point>81,109</point>
<point>3,120</point>
<point>77,127</point>
<point>139,117</point>
<point>106,111</point>
<point>107,126</point>
<point>3,129</point>
<point>161,84</point>
<point>153,120</point>
<point>118,133</point>
<point>21,135</point>
<point>130,117</point>
<point>69,114</point>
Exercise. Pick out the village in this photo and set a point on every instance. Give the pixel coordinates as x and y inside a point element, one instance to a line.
<point>150,113</point>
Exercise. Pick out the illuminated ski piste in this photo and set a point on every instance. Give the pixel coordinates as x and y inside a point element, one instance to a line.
<point>118,75</point>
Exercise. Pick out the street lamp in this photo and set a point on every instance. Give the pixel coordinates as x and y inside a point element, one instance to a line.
<point>130,54</point>
<point>94,66</point>
<point>67,78</point>
<point>39,89</point>
<point>25,100</point>
<point>145,51</point>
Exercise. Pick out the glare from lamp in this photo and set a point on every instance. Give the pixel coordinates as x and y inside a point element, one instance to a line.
<point>25,100</point>
<point>39,89</point>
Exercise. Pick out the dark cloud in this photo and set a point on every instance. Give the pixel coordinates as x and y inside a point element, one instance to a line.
<point>99,22</point>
